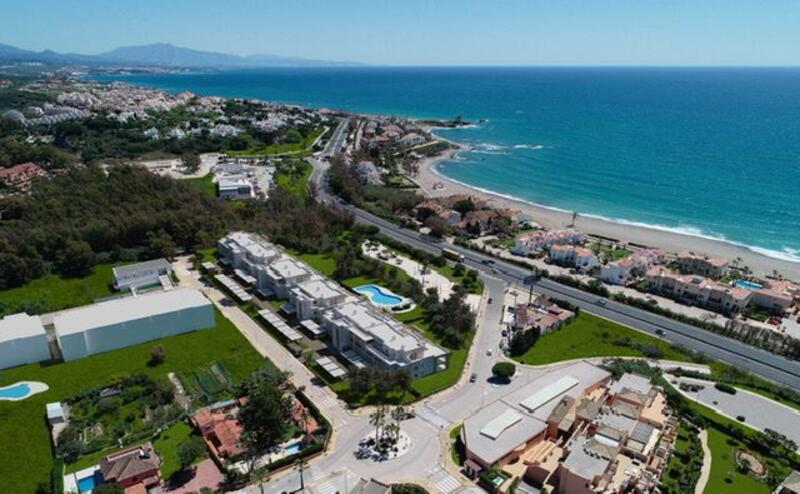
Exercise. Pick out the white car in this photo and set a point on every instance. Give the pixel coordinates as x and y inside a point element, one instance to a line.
<point>489,352</point>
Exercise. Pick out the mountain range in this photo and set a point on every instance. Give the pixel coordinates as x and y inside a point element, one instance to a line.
<point>162,55</point>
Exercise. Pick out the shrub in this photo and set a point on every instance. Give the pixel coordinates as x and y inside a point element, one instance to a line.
<point>504,370</point>
<point>725,388</point>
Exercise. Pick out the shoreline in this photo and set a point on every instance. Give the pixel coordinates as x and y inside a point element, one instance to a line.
<point>552,218</point>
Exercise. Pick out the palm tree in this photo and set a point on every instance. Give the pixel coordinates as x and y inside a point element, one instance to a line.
<point>301,467</point>
<point>378,419</point>
<point>397,415</point>
<point>260,475</point>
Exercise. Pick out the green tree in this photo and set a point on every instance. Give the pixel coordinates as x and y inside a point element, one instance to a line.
<point>504,370</point>
<point>191,450</point>
<point>76,259</point>
<point>266,415</point>
<point>108,488</point>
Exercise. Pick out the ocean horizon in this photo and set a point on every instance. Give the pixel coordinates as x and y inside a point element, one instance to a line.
<point>709,152</point>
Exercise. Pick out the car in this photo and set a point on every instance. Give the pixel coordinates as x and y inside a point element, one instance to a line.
<point>659,332</point>
<point>489,301</point>
<point>473,377</point>
<point>489,352</point>
<point>602,302</point>
<point>504,332</point>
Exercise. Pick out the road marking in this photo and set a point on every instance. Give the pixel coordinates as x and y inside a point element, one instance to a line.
<point>431,416</point>
<point>443,481</point>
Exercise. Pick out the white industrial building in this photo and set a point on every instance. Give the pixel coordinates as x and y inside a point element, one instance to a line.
<point>22,340</point>
<point>236,188</point>
<point>366,337</point>
<point>128,321</point>
<point>141,274</point>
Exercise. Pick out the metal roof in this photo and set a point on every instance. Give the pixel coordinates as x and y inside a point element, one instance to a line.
<point>549,392</point>
<point>127,309</point>
<point>20,325</point>
<point>129,269</point>
<point>499,424</point>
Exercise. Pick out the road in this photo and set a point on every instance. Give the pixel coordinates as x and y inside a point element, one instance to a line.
<point>765,364</point>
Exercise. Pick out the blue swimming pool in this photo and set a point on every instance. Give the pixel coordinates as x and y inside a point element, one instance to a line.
<point>749,284</point>
<point>15,391</point>
<point>379,295</point>
<point>87,484</point>
<point>293,448</point>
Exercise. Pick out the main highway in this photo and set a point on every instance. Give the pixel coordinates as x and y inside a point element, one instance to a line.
<point>761,362</point>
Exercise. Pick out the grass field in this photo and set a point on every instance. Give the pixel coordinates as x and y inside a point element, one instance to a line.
<point>592,336</point>
<point>723,465</point>
<point>52,292</point>
<point>204,183</point>
<point>295,177</point>
<point>167,446</point>
<point>286,148</point>
<point>25,454</point>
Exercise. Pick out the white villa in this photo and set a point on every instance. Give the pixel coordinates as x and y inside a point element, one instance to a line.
<point>22,340</point>
<point>128,321</point>
<point>531,242</point>
<point>574,256</point>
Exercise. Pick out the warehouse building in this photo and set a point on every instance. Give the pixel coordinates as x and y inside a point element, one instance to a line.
<point>22,340</point>
<point>128,321</point>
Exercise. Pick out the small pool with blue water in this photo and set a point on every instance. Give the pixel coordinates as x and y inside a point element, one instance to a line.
<point>15,391</point>
<point>379,295</point>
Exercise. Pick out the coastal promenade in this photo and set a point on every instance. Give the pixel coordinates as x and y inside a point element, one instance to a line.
<point>755,360</point>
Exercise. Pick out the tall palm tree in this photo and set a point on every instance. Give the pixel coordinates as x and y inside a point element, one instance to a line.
<point>397,415</point>
<point>301,467</point>
<point>261,476</point>
<point>378,419</point>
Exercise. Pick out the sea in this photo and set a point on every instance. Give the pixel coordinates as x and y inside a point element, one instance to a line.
<point>712,152</point>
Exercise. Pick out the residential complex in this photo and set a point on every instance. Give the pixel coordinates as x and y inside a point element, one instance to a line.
<point>575,431</point>
<point>366,337</point>
<point>127,321</point>
<point>23,340</point>
<point>360,333</point>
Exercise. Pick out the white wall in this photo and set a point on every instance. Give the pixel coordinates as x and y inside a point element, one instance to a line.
<point>25,350</point>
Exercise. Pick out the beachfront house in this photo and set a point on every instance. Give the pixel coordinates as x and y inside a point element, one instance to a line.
<point>624,270</point>
<point>693,263</point>
<point>531,242</point>
<point>573,256</point>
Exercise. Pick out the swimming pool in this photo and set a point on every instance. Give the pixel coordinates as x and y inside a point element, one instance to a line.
<point>21,390</point>
<point>293,448</point>
<point>87,484</point>
<point>379,295</point>
<point>748,284</point>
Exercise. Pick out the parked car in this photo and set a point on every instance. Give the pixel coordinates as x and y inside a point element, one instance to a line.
<point>489,301</point>
<point>504,332</point>
<point>489,352</point>
<point>473,377</point>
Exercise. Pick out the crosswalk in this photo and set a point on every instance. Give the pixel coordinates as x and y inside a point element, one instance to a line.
<point>432,417</point>
<point>443,481</point>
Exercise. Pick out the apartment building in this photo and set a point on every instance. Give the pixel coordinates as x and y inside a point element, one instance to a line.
<point>573,256</point>
<point>369,338</point>
<point>693,263</point>
<point>624,270</point>
<point>698,290</point>
<point>538,240</point>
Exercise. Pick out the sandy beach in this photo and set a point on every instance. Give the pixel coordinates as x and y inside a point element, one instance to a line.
<point>549,218</point>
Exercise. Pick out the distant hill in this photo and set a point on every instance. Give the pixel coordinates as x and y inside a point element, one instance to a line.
<point>163,55</point>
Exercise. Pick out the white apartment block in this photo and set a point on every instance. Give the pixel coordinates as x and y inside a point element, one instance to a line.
<point>367,337</point>
<point>310,298</point>
<point>140,274</point>
<point>692,263</point>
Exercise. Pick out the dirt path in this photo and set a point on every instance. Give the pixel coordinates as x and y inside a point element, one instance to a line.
<point>705,471</point>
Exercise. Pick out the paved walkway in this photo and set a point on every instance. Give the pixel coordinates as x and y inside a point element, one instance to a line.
<point>705,470</point>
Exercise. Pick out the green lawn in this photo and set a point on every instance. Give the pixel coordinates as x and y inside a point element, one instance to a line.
<point>25,453</point>
<point>167,446</point>
<point>447,271</point>
<point>592,336</point>
<point>204,183</point>
<point>52,292</point>
<point>285,148</point>
<point>295,180</point>
<point>723,464</point>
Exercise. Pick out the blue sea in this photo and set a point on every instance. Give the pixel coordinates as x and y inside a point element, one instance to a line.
<point>705,151</point>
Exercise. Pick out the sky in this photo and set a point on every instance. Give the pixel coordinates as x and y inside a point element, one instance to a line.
<point>434,32</point>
